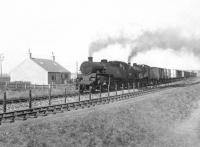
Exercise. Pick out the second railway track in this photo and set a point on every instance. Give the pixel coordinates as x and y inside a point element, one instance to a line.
<point>58,108</point>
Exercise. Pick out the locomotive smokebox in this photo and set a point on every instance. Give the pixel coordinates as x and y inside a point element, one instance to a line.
<point>90,59</point>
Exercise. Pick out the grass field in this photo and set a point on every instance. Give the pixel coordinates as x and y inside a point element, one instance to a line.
<point>169,118</point>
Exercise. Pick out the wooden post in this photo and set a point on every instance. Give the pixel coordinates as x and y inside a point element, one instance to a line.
<point>30,99</point>
<point>90,94</point>
<point>65,95</point>
<point>100,91</point>
<point>79,95</point>
<point>108,91</point>
<point>128,88</point>
<point>133,86</point>
<point>116,88</point>
<point>4,101</point>
<point>122,89</point>
<point>109,86</point>
<point>49,94</point>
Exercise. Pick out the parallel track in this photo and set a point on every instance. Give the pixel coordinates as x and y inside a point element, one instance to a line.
<point>53,109</point>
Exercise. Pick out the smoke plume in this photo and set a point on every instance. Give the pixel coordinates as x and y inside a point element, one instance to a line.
<point>164,39</point>
<point>101,44</point>
<point>170,38</point>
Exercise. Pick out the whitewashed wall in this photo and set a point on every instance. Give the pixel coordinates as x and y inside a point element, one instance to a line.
<point>29,71</point>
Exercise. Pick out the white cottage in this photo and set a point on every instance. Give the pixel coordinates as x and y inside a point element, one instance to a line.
<point>40,71</point>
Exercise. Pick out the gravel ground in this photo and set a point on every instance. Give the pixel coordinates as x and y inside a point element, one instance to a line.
<point>61,100</point>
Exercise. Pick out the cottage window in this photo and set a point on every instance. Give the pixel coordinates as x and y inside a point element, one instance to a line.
<point>52,78</point>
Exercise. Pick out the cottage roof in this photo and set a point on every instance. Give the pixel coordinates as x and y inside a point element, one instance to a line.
<point>49,65</point>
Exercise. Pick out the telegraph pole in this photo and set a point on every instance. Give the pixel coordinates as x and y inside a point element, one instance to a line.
<point>1,61</point>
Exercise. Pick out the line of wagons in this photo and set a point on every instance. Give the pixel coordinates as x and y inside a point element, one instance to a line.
<point>115,75</point>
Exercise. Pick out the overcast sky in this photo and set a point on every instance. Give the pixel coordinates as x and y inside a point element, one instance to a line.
<point>67,27</point>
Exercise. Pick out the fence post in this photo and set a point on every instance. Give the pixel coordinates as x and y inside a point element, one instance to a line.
<point>90,94</point>
<point>128,88</point>
<point>133,86</point>
<point>116,88</point>
<point>49,94</point>
<point>79,96</point>
<point>100,91</point>
<point>4,101</point>
<point>30,99</point>
<point>108,91</point>
<point>65,95</point>
<point>122,89</point>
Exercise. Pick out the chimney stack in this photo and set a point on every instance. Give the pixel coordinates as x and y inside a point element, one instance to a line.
<point>90,59</point>
<point>53,57</point>
<point>30,54</point>
<point>129,63</point>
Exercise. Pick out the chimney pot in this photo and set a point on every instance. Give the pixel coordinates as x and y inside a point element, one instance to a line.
<point>30,54</point>
<point>53,57</point>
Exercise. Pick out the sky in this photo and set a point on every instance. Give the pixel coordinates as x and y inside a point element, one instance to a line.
<point>68,27</point>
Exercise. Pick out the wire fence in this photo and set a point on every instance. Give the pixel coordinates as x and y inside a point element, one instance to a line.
<point>24,86</point>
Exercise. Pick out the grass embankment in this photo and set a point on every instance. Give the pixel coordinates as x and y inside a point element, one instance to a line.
<point>158,121</point>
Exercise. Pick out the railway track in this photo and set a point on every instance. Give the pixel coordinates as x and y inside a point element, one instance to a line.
<point>23,113</point>
<point>59,108</point>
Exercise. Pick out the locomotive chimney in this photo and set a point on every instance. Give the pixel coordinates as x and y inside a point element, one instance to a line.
<point>104,61</point>
<point>90,59</point>
<point>129,63</point>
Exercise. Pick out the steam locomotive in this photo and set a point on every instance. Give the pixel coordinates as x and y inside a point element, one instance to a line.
<point>114,75</point>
